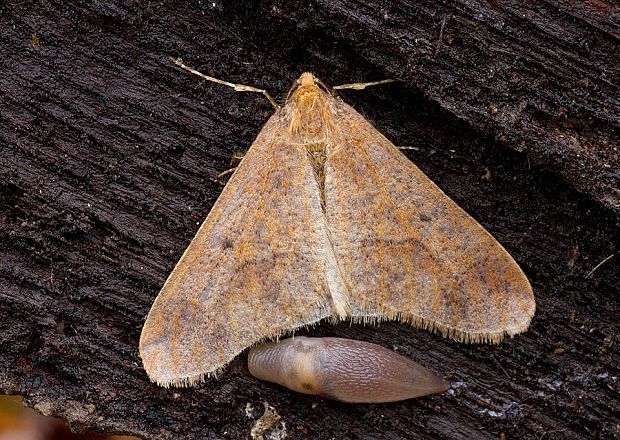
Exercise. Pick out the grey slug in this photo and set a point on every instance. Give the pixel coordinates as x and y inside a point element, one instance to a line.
<point>342,369</point>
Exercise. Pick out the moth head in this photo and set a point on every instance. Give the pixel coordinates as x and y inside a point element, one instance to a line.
<point>307,79</point>
<point>307,83</point>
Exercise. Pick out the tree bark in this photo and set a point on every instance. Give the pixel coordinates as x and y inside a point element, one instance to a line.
<point>109,157</point>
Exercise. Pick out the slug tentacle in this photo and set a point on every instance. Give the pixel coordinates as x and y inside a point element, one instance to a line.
<point>342,369</point>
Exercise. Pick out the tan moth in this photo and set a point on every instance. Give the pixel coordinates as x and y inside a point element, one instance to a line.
<point>324,218</point>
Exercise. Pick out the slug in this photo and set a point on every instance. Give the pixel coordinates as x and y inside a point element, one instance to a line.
<point>342,369</point>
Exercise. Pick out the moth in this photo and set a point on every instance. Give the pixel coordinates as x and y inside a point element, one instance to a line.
<point>324,218</point>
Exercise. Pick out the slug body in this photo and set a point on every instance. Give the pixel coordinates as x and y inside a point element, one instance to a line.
<point>342,369</point>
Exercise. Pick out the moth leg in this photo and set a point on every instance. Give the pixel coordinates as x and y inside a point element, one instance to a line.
<point>225,173</point>
<point>237,87</point>
<point>236,157</point>
<point>362,86</point>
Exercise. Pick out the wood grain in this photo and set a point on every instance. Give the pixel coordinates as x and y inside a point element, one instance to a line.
<point>108,164</point>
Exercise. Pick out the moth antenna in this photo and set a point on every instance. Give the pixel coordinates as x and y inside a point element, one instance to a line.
<point>237,87</point>
<point>362,86</point>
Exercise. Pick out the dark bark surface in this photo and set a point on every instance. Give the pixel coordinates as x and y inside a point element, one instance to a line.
<point>108,163</point>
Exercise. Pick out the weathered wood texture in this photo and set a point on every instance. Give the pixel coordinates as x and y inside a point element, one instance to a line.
<point>108,163</point>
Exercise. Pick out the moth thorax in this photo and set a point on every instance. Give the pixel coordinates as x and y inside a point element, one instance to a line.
<point>310,115</point>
